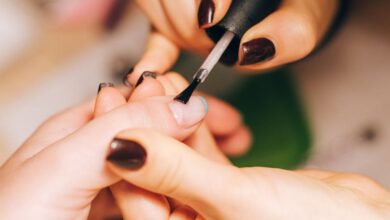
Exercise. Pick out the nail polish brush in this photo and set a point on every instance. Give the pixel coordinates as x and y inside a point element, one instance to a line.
<point>242,15</point>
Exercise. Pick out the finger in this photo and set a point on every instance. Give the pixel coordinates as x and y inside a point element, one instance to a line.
<point>168,84</point>
<point>133,202</point>
<point>202,141</point>
<point>125,90</point>
<point>159,56</point>
<point>108,98</point>
<point>286,35</point>
<point>52,130</point>
<point>147,86</point>
<point>167,166</point>
<point>236,144</point>
<point>103,207</point>
<point>86,149</point>
<point>183,213</point>
<point>211,12</point>
<point>182,15</point>
<point>217,115</point>
<point>136,203</point>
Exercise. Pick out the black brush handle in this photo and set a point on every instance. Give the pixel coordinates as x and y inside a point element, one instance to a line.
<point>242,15</point>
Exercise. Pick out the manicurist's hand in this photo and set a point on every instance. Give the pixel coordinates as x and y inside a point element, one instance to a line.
<point>287,35</point>
<point>218,191</point>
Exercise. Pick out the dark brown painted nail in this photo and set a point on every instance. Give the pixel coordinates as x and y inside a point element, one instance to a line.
<point>206,13</point>
<point>145,74</point>
<point>126,154</point>
<point>125,79</point>
<point>257,50</point>
<point>105,84</point>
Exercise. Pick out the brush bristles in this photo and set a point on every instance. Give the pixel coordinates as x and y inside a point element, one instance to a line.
<point>185,96</point>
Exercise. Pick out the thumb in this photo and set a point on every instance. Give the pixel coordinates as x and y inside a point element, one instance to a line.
<point>163,165</point>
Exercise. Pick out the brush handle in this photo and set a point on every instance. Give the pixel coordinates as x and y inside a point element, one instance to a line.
<point>242,15</point>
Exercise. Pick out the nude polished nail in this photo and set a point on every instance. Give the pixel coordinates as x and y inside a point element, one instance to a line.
<point>190,114</point>
<point>126,154</point>
<point>206,13</point>
<point>257,50</point>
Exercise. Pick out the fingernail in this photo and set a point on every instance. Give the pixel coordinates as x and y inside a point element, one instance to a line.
<point>125,79</point>
<point>145,74</point>
<point>187,115</point>
<point>126,154</point>
<point>206,13</point>
<point>105,84</point>
<point>257,50</point>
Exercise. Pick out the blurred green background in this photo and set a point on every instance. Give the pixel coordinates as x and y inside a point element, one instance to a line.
<point>272,109</point>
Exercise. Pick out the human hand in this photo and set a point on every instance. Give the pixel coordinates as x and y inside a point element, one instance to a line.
<point>285,36</point>
<point>60,169</point>
<point>218,191</point>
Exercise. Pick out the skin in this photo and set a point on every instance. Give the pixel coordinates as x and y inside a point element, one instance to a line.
<point>296,28</point>
<point>64,133</point>
<point>218,191</point>
<point>64,164</point>
<point>207,187</point>
<point>131,199</point>
<point>52,158</point>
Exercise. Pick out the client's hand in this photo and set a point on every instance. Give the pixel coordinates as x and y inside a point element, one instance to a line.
<point>61,168</point>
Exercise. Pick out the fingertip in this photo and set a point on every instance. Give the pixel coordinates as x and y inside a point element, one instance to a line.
<point>218,113</point>
<point>210,12</point>
<point>293,31</point>
<point>238,143</point>
<point>147,86</point>
<point>190,114</point>
<point>108,98</point>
